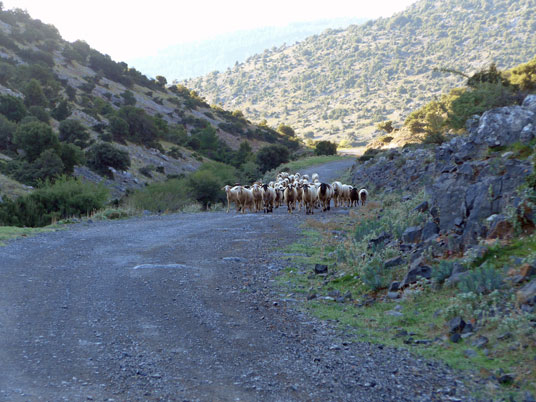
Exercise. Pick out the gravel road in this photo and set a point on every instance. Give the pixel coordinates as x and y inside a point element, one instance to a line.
<point>183,307</point>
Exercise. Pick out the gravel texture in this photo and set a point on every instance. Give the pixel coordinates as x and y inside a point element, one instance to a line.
<point>183,307</point>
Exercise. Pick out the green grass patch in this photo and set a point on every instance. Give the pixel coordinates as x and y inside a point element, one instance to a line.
<point>500,255</point>
<point>12,232</point>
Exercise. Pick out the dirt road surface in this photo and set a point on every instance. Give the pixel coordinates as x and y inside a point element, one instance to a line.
<point>183,307</point>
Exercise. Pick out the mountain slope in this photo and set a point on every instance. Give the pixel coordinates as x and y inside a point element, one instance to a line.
<point>341,83</point>
<point>219,53</point>
<point>78,98</point>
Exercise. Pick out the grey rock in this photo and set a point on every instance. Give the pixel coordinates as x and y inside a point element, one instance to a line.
<point>480,342</point>
<point>530,103</point>
<point>394,286</point>
<point>502,126</point>
<point>422,271</point>
<point>528,133</point>
<point>429,230</point>
<point>469,353</point>
<point>412,234</point>
<point>422,207</point>
<point>393,262</point>
<point>383,238</point>
<point>455,338</point>
<point>393,295</point>
<point>456,325</point>
<point>321,269</point>
<point>394,313</point>
<point>527,294</point>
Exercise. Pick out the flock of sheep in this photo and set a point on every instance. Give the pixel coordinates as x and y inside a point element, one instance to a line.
<point>296,191</point>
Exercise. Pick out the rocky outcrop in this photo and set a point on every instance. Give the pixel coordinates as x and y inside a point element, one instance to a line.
<point>467,180</point>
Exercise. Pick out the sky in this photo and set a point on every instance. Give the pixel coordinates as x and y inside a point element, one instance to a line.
<point>129,29</point>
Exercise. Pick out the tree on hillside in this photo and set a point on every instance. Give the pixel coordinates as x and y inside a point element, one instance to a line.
<point>271,157</point>
<point>286,130</point>
<point>13,108</point>
<point>161,81</point>
<point>33,94</point>
<point>35,137</point>
<point>386,126</point>
<point>74,132</point>
<point>326,148</point>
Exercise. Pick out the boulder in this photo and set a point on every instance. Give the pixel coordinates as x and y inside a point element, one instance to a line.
<point>321,269</point>
<point>502,126</point>
<point>530,103</point>
<point>527,294</point>
<point>381,240</point>
<point>422,207</point>
<point>456,325</point>
<point>393,262</point>
<point>394,286</point>
<point>413,275</point>
<point>429,230</point>
<point>412,234</point>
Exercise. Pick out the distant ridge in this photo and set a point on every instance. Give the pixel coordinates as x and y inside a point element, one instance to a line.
<point>193,59</point>
<point>340,84</point>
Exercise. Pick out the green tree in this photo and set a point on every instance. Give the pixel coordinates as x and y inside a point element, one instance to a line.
<point>62,110</point>
<point>33,94</point>
<point>204,187</point>
<point>7,131</point>
<point>128,98</point>
<point>71,155</point>
<point>286,130</point>
<point>326,148</point>
<point>118,128</point>
<point>161,81</point>
<point>74,132</point>
<point>141,127</point>
<point>386,126</point>
<point>104,155</point>
<point>13,108</point>
<point>272,156</point>
<point>34,138</point>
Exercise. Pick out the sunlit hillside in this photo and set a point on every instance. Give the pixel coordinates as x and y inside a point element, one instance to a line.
<point>341,83</point>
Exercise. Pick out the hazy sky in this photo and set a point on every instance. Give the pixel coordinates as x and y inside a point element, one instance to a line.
<point>127,29</point>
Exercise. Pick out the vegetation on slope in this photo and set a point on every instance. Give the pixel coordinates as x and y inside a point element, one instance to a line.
<point>341,83</point>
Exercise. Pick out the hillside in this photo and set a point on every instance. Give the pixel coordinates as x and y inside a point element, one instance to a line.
<point>60,102</point>
<point>341,83</point>
<point>222,52</point>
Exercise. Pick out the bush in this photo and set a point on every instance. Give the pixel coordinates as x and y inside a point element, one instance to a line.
<point>7,131</point>
<point>272,156</point>
<point>482,280</point>
<point>62,110</point>
<point>13,108</point>
<point>326,148</point>
<point>204,188</point>
<point>34,95</point>
<point>67,197</point>
<point>34,138</point>
<point>102,156</point>
<point>172,195</point>
<point>40,113</point>
<point>74,132</point>
<point>443,271</point>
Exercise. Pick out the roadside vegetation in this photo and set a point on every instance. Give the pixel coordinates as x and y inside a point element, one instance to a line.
<point>354,293</point>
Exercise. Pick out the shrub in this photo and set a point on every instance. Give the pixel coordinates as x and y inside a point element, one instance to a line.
<point>386,126</point>
<point>65,198</point>
<point>442,271</point>
<point>482,280</point>
<point>102,156</point>
<point>71,155</point>
<point>326,148</point>
<point>13,108</point>
<point>34,138</point>
<point>172,195</point>
<point>33,94</point>
<point>74,132</point>
<point>7,131</point>
<point>369,154</point>
<point>40,113</point>
<point>62,110</point>
<point>272,156</point>
<point>204,188</point>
